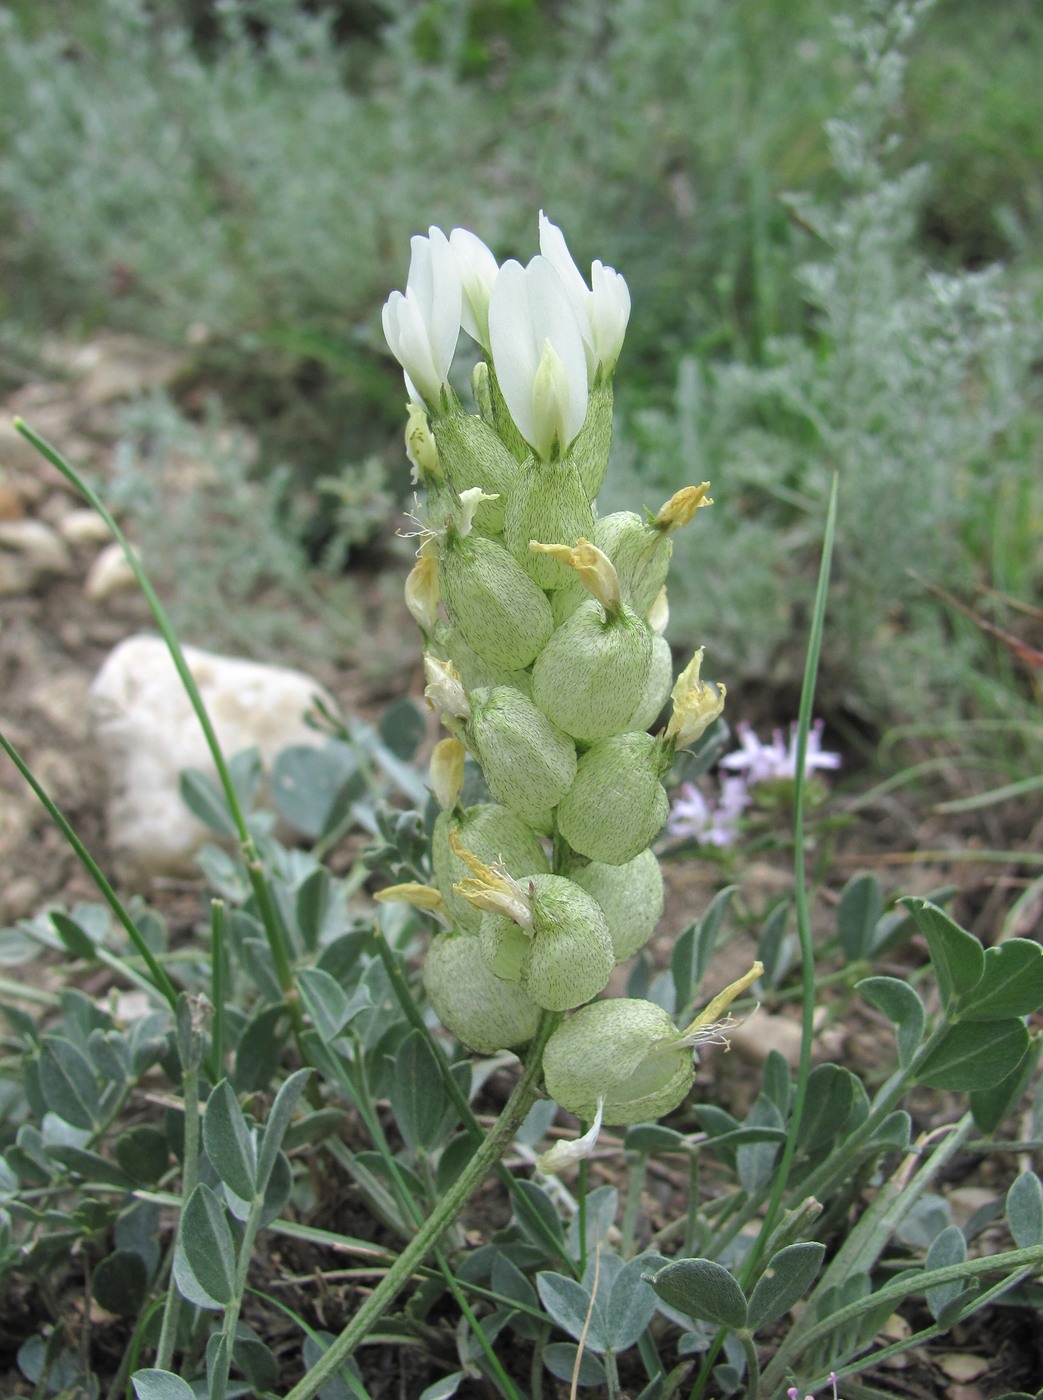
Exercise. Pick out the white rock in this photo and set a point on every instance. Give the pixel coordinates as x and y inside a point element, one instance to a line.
<point>148,733</point>
<point>109,573</point>
<point>83,527</point>
<point>29,552</point>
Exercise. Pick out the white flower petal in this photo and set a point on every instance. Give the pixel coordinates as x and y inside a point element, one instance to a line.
<point>567,1154</point>
<point>477,268</point>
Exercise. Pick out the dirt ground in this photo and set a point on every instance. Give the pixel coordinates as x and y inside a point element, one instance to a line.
<point>57,625</point>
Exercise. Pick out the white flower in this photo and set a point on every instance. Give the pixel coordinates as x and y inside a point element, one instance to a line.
<point>602,309</point>
<point>567,1154</point>
<point>478,269</point>
<point>537,350</point>
<point>422,325</point>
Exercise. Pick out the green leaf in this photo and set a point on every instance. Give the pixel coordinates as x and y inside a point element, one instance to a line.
<point>255,1359</point>
<point>454,1156</point>
<point>787,1278</point>
<point>560,1360</point>
<point>142,1152</point>
<point>402,728</point>
<point>947,1249</point>
<point>312,906</point>
<point>67,1082</point>
<point>78,943</point>
<point>631,1304</point>
<point>120,1282</point>
<point>90,1165</point>
<point>756,1160</point>
<point>152,1384</point>
<point>326,1002</point>
<point>646,1138</point>
<point>205,800</point>
<point>306,781</point>
<point>775,946</point>
<point>694,949</point>
<point>827,1107</point>
<point>443,1389</point>
<point>895,1131</point>
<point>260,1049</point>
<point>217,1360</point>
<point>279,1117</point>
<point>956,955</point>
<point>861,905</point>
<point>538,1207</point>
<point>568,1304</point>
<point>991,1106</point>
<point>417,1096</point>
<point>228,1142</point>
<point>702,1289</point>
<point>975,1055</point>
<point>204,1260</point>
<point>775,1081</point>
<point>903,1008</point>
<point>1012,984</point>
<point>1025,1210</point>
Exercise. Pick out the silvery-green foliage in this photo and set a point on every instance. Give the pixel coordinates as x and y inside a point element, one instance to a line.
<point>913,384</point>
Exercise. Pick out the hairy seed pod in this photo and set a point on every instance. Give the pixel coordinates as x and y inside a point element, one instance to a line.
<point>473,455</point>
<point>659,679</point>
<point>590,676</point>
<point>591,448</point>
<point>641,554</point>
<point>623,1051</point>
<point>496,837</point>
<point>547,503</point>
<point>630,896</point>
<point>475,673</point>
<point>484,1012</point>
<point>617,804</point>
<point>565,958</point>
<point>500,612</point>
<point>529,764</point>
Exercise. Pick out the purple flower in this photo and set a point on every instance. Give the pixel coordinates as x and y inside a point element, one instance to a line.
<point>692,818</point>
<point>764,763</point>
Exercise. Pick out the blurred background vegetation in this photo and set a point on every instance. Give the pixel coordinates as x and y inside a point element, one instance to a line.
<point>835,260</point>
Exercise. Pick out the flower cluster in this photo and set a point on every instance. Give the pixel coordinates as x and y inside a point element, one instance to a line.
<point>546,662</point>
<point>715,821</point>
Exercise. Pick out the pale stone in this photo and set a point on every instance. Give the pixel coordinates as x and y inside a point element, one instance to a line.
<point>119,366</point>
<point>109,573</point>
<point>29,551</point>
<point>148,734</point>
<point>754,1038</point>
<point>83,527</point>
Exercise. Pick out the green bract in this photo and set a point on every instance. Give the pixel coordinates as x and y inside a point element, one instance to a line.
<point>641,554</point>
<point>548,504</point>
<point>626,1052</point>
<point>497,607</point>
<point>630,896</point>
<point>483,1011</point>
<point>473,455</point>
<point>565,958</point>
<point>590,676</point>
<point>494,835</point>
<point>529,764</point>
<point>617,804</point>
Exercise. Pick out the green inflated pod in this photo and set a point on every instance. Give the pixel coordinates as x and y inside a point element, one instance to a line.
<point>617,804</point>
<point>496,836</point>
<point>475,672</point>
<point>659,679</point>
<point>590,450</point>
<point>499,610</point>
<point>565,601</point>
<point>565,956</point>
<point>529,764</point>
<point>472,455</point>
<point>483,1011</point>
<point>547,503</point>
<point>624,1052</point>
<point>630,896</point>
<point>591,675</point>
<point>641,549</point>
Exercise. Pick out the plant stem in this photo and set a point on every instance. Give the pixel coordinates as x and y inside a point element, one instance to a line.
<point>753,1365</point>
<point>444,1213</point>
<point>190,1148</point>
